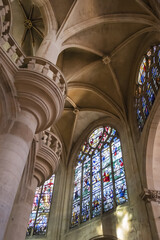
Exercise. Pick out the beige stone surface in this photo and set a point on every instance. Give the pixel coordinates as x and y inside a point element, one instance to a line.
<point>80,75</point>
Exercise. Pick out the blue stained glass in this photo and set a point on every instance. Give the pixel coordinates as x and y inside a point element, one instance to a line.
<point>95,137</point>
<point>41,224</point>
<point>154,49</point>
<point>80,154</point>
<point>99,179</point>
<point>83,157</point>
<point>40,210</point>
<point>116,150</point>
<point>86,178</point>
<point>108,198</point>
<point>113,132</point>
<point>145,107</point>
<point>95,165</point>
<point>85,209</point>
<point>148,84</point>
<point>155,72</point>
<point>75,213</point>
<point>96,204</point>
<point>86,191</point>
<point>106,157</point>
<point>121,191</point>
<point>109,140</point>
<point>150,93</point>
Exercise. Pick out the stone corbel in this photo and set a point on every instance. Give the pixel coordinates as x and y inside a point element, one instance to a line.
<point>149,195</point>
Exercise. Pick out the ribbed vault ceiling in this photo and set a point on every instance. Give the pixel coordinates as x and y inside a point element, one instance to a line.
<point>94,30</point>
<point>102,42</point>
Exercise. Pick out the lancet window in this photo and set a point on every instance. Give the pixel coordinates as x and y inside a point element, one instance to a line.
<point>99,178</point>
<point>39,216</point>
<point>147,85</point>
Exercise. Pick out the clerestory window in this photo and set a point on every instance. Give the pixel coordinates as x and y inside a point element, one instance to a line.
<point>147,85</point>
<point>39,216</point>
<point>99,179</point>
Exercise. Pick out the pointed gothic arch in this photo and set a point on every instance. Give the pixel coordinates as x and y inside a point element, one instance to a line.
<point>99,179</point>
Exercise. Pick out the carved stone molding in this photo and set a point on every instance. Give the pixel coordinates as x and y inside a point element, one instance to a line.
<point>149,195</point>
<point>41,96</point>
<point>41,87</point>
<point>48,157</point>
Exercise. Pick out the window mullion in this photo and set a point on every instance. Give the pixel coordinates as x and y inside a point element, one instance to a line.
<point>91,187</point>
<point>80,215</point>
<point>102,208</point>
<point>114,189</point>
<point>37,211</point>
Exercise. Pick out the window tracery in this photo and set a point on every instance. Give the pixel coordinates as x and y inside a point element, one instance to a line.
<point>99,179</point>
<point>39,216</point>
<point>148,84</point>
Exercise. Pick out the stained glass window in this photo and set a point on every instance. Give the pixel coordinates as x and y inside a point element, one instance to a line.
<point>148,84</point>
<point>99,177</point>
<point>39,216</point>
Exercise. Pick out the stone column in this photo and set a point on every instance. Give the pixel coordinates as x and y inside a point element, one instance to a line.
<point>41,101</point>
<point>48,47</point>
<point>14,149</point>
<point>42,162</point>
<point>20,214</point>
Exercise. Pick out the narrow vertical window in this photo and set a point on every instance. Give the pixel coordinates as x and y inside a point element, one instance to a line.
<point>39,216</point>
<point>147,85</point>
<point>99,179</point>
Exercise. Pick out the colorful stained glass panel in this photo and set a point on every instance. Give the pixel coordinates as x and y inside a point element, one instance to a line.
<point>142,72</point>
<point>41,224</point>
<point>96,204</point>
<point>108,198</point>
<point>121,191</point>
<point>147,84</point>
<point>95,137</point>
<point>40,210</point>
<point>99,178</point>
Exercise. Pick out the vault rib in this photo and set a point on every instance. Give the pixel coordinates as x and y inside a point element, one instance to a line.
<point>99,93</point>
<point>71,102</point>
<point>131,38</point>
<point>113,18</point>
<point>66,18</point>
<point>79,46</point>
<point>82,71</point>
<point>145,7</point>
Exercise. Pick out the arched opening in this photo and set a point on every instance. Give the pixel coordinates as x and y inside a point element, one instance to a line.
<point>99,178</point>
<point>153,165</point>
